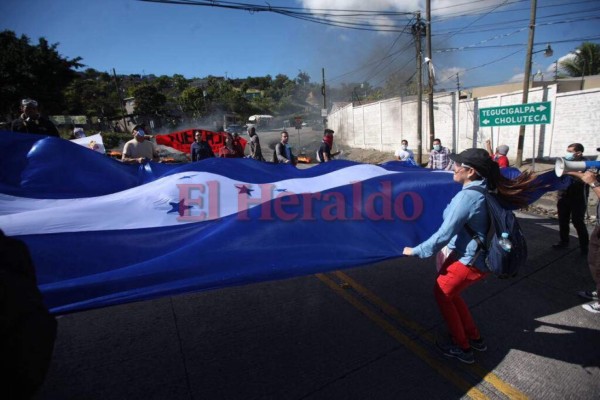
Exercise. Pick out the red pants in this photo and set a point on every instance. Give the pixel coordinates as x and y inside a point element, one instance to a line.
<point>453,278</point>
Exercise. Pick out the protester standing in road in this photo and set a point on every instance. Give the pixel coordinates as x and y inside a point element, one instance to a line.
<point>237,145</point>
<point>139,150</point>
<point>593,259</point>
<point>324,152</point>
<point>462,267</point>
<point>229,150</point>
<point>255,149</point>
<point>572,204</point>
<point>200,149</point>
<point>404,154</point>
<point>500,155</point>
<point>31,121</point>
<point>283,151</point>
<point>439,157</point>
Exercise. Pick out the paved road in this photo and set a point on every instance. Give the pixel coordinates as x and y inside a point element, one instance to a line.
<point>306,140</point>
<point>363,333</point>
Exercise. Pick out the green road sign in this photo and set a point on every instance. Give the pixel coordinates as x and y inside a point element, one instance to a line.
<point>519,114</point>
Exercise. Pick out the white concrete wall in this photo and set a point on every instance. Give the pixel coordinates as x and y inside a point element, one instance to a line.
<point>575,117</point>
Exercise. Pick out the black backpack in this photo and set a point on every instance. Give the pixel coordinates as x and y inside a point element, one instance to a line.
<point>504,264</point>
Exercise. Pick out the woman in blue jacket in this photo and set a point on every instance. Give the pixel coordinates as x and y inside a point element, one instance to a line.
<point>462,268</point>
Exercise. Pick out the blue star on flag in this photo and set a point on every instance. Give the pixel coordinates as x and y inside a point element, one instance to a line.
<point>245,189</point>
<point>179,207</point>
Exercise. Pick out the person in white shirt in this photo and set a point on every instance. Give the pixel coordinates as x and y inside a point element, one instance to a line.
<point>139,150</point>
<point>403,153</point>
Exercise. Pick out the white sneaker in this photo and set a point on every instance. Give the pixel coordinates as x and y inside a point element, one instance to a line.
<point>592,307</point>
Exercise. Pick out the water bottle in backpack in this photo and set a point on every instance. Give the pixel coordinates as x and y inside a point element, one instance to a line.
<point>504,242</point>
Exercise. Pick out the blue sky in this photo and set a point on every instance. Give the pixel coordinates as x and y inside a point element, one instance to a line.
<point>137,37</point>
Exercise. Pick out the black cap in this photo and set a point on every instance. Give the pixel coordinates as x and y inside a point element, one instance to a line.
<point>29,103</point>
<point>597,148</point>
<point>138,127</point>
<point>478,159</point>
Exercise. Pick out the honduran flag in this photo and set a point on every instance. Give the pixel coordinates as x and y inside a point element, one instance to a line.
<point>103,233</point>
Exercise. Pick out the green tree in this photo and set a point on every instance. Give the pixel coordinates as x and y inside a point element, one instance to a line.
<point>163,82</point>
<point>148,100</point>
<point>92,93</point>
<point>36,71</point>
<point>585,62</point>
<point>303,78</point>
<point>180,82</point>
<point>192,101</point>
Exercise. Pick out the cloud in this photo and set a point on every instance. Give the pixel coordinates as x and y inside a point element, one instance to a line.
<point>375,57</point>
<point>449,7</point>
<point>548,72</point>
<point>517,78</point>
<point>438,7</point>
<point>374,5</point>
<point>568,56</point>
<point>448,75</point>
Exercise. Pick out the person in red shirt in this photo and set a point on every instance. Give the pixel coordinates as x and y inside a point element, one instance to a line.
<point>229,150</point>
<point>500,155</point>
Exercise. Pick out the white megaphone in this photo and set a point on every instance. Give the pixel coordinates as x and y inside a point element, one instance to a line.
<point>563,166</point>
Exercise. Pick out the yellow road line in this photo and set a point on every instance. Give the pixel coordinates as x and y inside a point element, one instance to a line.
<point>421,352</point>
<point>393,312</point>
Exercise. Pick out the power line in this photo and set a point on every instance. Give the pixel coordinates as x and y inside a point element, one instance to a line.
<point>468,3</point>
<point>486,64</point>
<point>503,25</point>
<point>483,16</point>
<point>513,10</point>
<point>367,20</point>
<point>396,56</point>
<point>474,11</point>
<point>330,17</point>
<point>378,61</point>
<point>579,39</point>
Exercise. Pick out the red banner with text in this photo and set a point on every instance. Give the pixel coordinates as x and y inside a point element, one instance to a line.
<point>182,140</point>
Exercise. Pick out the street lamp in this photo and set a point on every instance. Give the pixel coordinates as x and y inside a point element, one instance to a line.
<point>548,52</point>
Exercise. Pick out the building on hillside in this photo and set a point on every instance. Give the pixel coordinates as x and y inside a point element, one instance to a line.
<point>252,94</point>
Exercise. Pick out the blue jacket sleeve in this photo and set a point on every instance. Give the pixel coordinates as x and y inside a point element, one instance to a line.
<point>455,216</point>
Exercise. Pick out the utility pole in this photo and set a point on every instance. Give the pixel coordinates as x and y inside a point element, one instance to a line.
<point>324,93</point>
<point>430,95</point>
<point>121,102</point>
<point>457,111</point>
<point>519,160</point>
<point>417,30</point>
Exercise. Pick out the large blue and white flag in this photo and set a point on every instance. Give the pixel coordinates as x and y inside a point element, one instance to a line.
<point>101,232</point>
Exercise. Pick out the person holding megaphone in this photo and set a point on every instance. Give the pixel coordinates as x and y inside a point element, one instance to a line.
<point>572,203</point>
<point>591,179</point>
